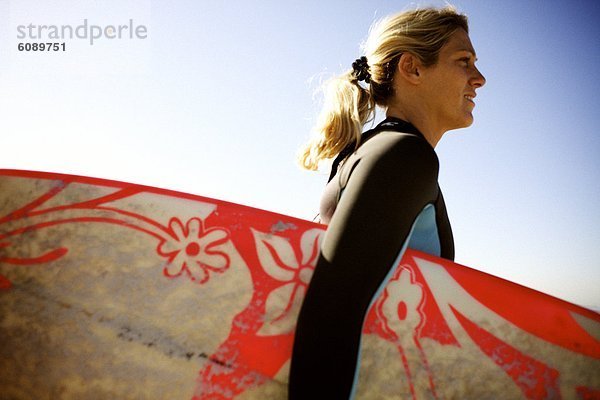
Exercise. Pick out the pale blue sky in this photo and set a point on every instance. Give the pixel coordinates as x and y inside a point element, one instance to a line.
<point>218,98</point>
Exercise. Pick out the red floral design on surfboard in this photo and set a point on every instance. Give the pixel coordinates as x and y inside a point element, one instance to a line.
<point>429,304</point>
<point>192,250</point>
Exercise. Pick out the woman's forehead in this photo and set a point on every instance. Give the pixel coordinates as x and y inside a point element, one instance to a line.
<point>459,41</point>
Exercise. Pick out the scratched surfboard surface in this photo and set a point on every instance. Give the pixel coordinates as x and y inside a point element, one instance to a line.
<point>114,290</point>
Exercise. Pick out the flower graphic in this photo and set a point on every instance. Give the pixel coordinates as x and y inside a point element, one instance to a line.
<point>399,305</point>
<point>194,250</point>
<point>280,262</point>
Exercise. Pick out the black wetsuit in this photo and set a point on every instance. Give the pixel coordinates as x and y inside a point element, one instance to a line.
<point>386,197</point>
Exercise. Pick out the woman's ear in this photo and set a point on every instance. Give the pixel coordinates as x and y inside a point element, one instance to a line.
<point>408,68</point>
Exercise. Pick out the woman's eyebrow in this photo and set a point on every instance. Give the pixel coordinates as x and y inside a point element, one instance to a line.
<point>467,50</point>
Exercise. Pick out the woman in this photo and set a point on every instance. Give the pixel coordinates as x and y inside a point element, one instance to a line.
<point>383,195</point>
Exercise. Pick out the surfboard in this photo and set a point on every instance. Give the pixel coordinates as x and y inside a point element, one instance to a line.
<point>114,290</point>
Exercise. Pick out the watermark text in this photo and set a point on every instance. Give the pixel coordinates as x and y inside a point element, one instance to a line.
<point>84,31</point>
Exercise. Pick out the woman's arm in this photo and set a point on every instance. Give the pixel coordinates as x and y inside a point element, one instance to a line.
<point>388,188</point>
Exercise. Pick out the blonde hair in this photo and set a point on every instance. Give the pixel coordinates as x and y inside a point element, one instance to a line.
<point>348,106</point>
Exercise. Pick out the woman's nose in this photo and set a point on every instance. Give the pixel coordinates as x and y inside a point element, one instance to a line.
<point>478,80</point>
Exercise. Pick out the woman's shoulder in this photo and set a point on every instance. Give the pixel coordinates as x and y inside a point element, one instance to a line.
<point>391,155</point>
<point>397,147</point>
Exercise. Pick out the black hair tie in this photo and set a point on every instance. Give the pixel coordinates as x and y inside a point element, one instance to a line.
<point>361,69</point>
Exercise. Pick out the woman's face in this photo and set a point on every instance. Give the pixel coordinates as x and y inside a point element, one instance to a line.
<point>449,86</point>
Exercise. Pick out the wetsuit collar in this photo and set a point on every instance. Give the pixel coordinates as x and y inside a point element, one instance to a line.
<point>397,124</point>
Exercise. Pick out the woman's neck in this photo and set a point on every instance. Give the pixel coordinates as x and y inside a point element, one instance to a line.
<point>431,134</point>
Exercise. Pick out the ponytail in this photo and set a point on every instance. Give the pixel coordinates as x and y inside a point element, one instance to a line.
<point>347,108</point>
